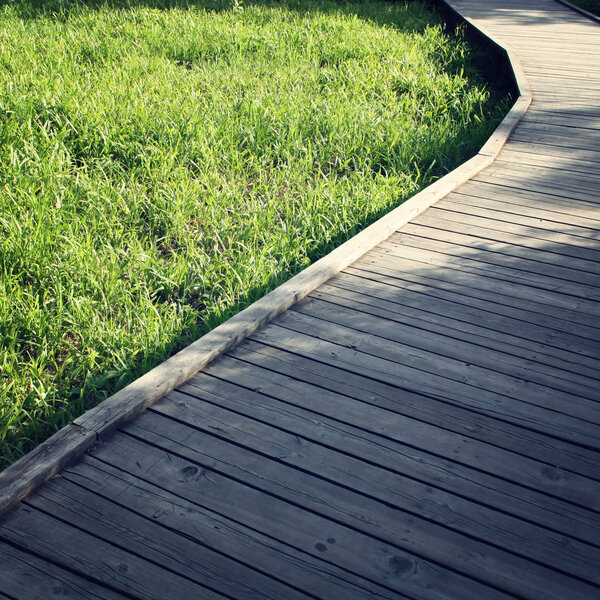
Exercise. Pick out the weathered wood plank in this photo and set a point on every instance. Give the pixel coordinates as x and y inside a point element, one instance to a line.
<point>191,559</point>
<point>194,475</point>
<point>560,142</point>
<point>544,121</point>
<point>510,207</point>
<point>402,445</point>
<point>521,326</point>
<point>580,341</point>
<point>451,347</point>
<point>36,532</point>
<point>574,233</point>
<point>511,156</point>
<point>438,411</point>
<point>564,240</point>
<point>564,120</point>
<point>25,576</point>
<point>540,243</point>
<point>43,462</point>
<point>454,373</point>
<point>408,377</point>
<point>543,148</point>
<point>547,185</point>
<point>216,411</point>
<point>224,535</point>
<point>570,309</point>
<point>579,209</point>
<point>385,522</point>
<point>491,241</point>
<point>456,257</point>
<point>379,300</point>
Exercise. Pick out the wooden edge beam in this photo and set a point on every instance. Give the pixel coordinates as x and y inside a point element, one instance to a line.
<point>65,446</point>
<point>45,461</point>
<point>578,9</point>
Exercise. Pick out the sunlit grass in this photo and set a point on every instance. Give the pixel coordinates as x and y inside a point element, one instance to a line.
<point>164,164</point>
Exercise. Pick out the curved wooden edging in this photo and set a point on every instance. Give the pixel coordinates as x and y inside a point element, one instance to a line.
<point>580,10</point>
<point>45,461</point>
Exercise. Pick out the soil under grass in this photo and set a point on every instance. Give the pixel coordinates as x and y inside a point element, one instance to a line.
<point>164,164</point>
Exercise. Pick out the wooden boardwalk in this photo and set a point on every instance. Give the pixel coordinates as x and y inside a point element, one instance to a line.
<point>426,425</point>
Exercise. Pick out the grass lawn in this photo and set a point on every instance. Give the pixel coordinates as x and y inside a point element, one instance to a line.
<point>164,164</point>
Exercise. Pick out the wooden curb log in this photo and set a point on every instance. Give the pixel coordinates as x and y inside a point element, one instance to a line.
<point>64,447</point>
<point>580,10</point>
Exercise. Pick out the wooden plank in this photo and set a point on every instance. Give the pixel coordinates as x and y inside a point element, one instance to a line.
<point>397,370</point>
<point>390,525</point>
<point>226,536</point>
<point>198,476</point>
<point>389,440</point>
<point>560,65</point>
<point>562,119</point>
<point>563,78</point>
<point>578,76</point>
<point>544,43</point>
<point>584,108</point>
<point>567,119</point>
<point>511,208</point>
<point>542,302</point>
<point>423,251</point>
<point>25,576</point>
<point>579,209</point>
<point>574,69</point>
<point>547,174</point>
<point>439,343</point>
<point>520,246</point>
<point>438,253</point>
<point>579,127</point>
<point>542,147</point>
<point>36,532</point>
<point>576,88</point>
<point>145,537</point>
<point>437,366</point>
<point>503,220</point>
<point>545,187</point>
<point>446,416</point>
<point>567,182</point>
<point>540,326</point>
<point>550,89</point>
<point>370,297</point>
<point>217,410</point>
<point>588,146</point>
<point>512,156</point>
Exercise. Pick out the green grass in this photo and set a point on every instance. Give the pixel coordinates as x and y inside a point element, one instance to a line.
<point>164,164</point>
<point>592,6</point>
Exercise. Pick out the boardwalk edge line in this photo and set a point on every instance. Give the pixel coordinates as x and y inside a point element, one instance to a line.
<point>580,10</point>
<point>65,446</point>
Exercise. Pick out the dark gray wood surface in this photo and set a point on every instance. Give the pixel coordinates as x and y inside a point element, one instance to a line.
<point>424,426</point>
